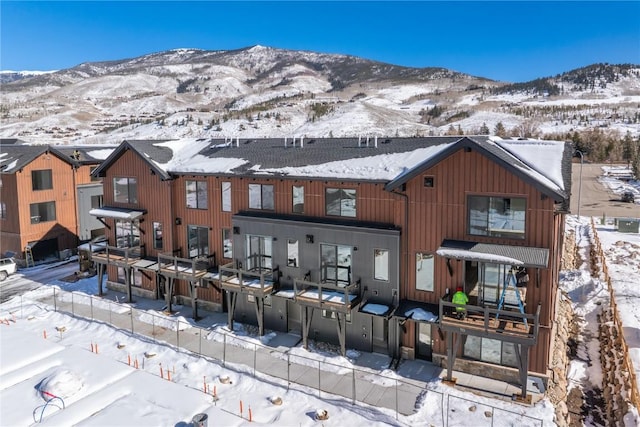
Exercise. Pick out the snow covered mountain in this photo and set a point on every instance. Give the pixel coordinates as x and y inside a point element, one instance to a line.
<point>265,92</point>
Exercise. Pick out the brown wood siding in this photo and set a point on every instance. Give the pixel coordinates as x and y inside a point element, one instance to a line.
<point>83,174</point>
<point>18,193</point>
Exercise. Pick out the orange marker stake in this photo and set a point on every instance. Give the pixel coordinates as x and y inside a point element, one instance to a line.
<point>129,359</point>
<point>96,348</point>
<point>44,334</point>
<point>249,413</point>
<point>91,347</point>
<point>241,409</point>
<point>136,363</point>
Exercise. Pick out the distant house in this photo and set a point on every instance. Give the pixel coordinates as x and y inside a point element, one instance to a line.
<point>358,242</point>
<point>41,189</point>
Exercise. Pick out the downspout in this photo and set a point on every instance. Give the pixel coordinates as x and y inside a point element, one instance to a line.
<point>75,207</point>
<point>405,235</point>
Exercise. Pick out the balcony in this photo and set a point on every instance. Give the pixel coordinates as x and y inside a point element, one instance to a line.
<point>327,296</point>
<point>113,255</point>
<point>189,269</point>
<point>504,325</point>
<point>258,282</point>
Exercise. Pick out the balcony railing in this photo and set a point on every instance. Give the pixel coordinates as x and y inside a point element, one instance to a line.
<point>191,269</point>
<point>331,296</point>
<point>505,325</point>
<point>113,255</point>
<point>257,282</point>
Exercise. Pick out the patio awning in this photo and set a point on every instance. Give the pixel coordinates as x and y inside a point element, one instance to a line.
<point>373,309</point>
<point>117,213</point>
<point>498,254</point>
<point>417,311</point>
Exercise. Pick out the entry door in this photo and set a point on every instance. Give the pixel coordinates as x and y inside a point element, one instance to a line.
<point>423,341</point>
<point>379,334</point>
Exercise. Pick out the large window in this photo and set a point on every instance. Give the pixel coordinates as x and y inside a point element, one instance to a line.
<point>298,199</point>
<point>259,252</point>
<point>491,351</point>
<point>157,235</point>
<point>127,233</point>
<point>125,190</point>
<point>496,216</point>
<point>335,264</point>
<point>424,272</point>
<point>340,201</point>
<point>198,243</point>
<point>261,196</point>
<point>227,243</point>
<point>381,264</point>
<point>41,180</point>
<point>197,194</point>
<point>226,196</point>
<point>42,212</point>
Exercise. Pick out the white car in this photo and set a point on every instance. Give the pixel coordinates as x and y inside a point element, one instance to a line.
<point>7,267</point>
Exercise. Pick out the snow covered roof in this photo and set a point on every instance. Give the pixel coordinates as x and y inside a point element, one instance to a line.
<point>16,154</point>
<point>389,160</point>
<point>118,213</point>
<point>497,254</point>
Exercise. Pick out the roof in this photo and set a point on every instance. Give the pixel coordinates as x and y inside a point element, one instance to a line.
<point>87,154</point>
<point>14,157</point>
<point>498,254</point>
<point>393,161</point>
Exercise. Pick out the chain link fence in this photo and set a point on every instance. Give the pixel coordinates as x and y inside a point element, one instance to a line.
<point>359,385</point>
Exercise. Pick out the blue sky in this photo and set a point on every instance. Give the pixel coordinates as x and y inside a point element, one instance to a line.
<point>510,41</point>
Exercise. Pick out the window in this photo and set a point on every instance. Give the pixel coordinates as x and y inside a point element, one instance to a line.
<point>197,194</point>
<point>340,202</point>
<point>127,233</point>
<point>3,210</point>
<point>496,216</point>
<point>198,243</point>
<point>335,266</point>
<point>135,278</point>
<point>428,181</point>
<point>125,190</point>
<point>226,197</point>
<point>292,253</point>
<point>298,199</point>
<point>259,252</point>
<point>157,235</point>
<point>41,180</point>
<point>381,264</point>
<point>261,196</point>
<point>490,351</point>
<point>42,212</point>
<point>97,201</point>
<point>227,243</point>
<point>424,272</point>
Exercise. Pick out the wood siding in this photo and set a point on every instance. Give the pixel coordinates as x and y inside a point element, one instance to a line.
<point>17,192</point>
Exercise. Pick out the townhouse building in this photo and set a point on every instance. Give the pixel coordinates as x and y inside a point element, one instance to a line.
<point>355,241</point>
<point>43,190</point>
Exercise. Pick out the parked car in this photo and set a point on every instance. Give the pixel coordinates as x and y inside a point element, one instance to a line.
<point>628,197</point>
<point>7,267</point>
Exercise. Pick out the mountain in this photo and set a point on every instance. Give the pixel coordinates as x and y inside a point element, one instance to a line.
<point>266,92</point>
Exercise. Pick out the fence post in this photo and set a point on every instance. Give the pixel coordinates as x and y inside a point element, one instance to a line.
<point>91,303</point>
<point>224,350</point>
<point>396,398</point>
<point>55,304</point>
<point>200,342</point>
<point>353,386</point>
<point>110,313</point>
<point>288,371</point>
<point>153,327</point>
<point>178,333</point>
<point>255,356</point>
<point>72,309</point>
<point>319,375</point>
<point>131,315</point>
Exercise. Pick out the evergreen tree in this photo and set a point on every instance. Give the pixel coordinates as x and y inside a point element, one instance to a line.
<point>499,130</point>
<point>484,129</point>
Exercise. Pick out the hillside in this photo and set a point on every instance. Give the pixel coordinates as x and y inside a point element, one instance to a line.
<point>266,92</point>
